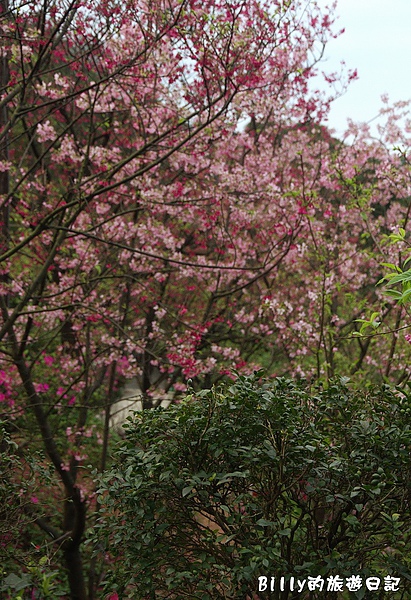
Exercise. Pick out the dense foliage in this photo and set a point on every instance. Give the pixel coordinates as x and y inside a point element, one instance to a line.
<point>261,478</point>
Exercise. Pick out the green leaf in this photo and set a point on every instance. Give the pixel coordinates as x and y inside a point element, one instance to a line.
<point>405,295</point>
<point>264,523</point>
<point>401,277</point>
<point>393,294</point>
<point>15,582</point>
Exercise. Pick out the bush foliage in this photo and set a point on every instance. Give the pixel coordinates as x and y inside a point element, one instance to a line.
<point>256,478</point>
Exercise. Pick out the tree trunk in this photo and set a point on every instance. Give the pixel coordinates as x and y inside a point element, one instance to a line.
<point>4,147</point>
<point>74,564</point>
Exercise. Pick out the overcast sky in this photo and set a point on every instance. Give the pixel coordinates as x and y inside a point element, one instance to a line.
<point>377,42</point>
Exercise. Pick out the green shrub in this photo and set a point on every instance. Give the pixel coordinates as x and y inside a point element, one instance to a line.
<point>261,478</point>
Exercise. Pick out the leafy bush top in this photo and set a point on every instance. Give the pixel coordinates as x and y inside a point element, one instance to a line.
<point>260,478</point>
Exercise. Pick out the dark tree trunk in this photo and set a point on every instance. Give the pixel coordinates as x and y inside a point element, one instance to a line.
<point>4,149</point>
<point>74,564</point>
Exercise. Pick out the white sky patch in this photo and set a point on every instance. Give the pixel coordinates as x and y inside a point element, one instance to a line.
<point>376,42</point>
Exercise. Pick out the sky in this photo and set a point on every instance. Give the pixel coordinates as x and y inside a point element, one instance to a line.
<point>376,42</point>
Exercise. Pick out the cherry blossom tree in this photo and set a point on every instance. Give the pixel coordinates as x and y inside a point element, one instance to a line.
<point>362,198</point>
<point>142,220</point>
<point>172,209</point>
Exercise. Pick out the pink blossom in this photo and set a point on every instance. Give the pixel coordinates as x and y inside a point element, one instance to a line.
<point>79,457</point>
<point>4,166</point>
<point>41,387</point>
<point>45,132</point>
